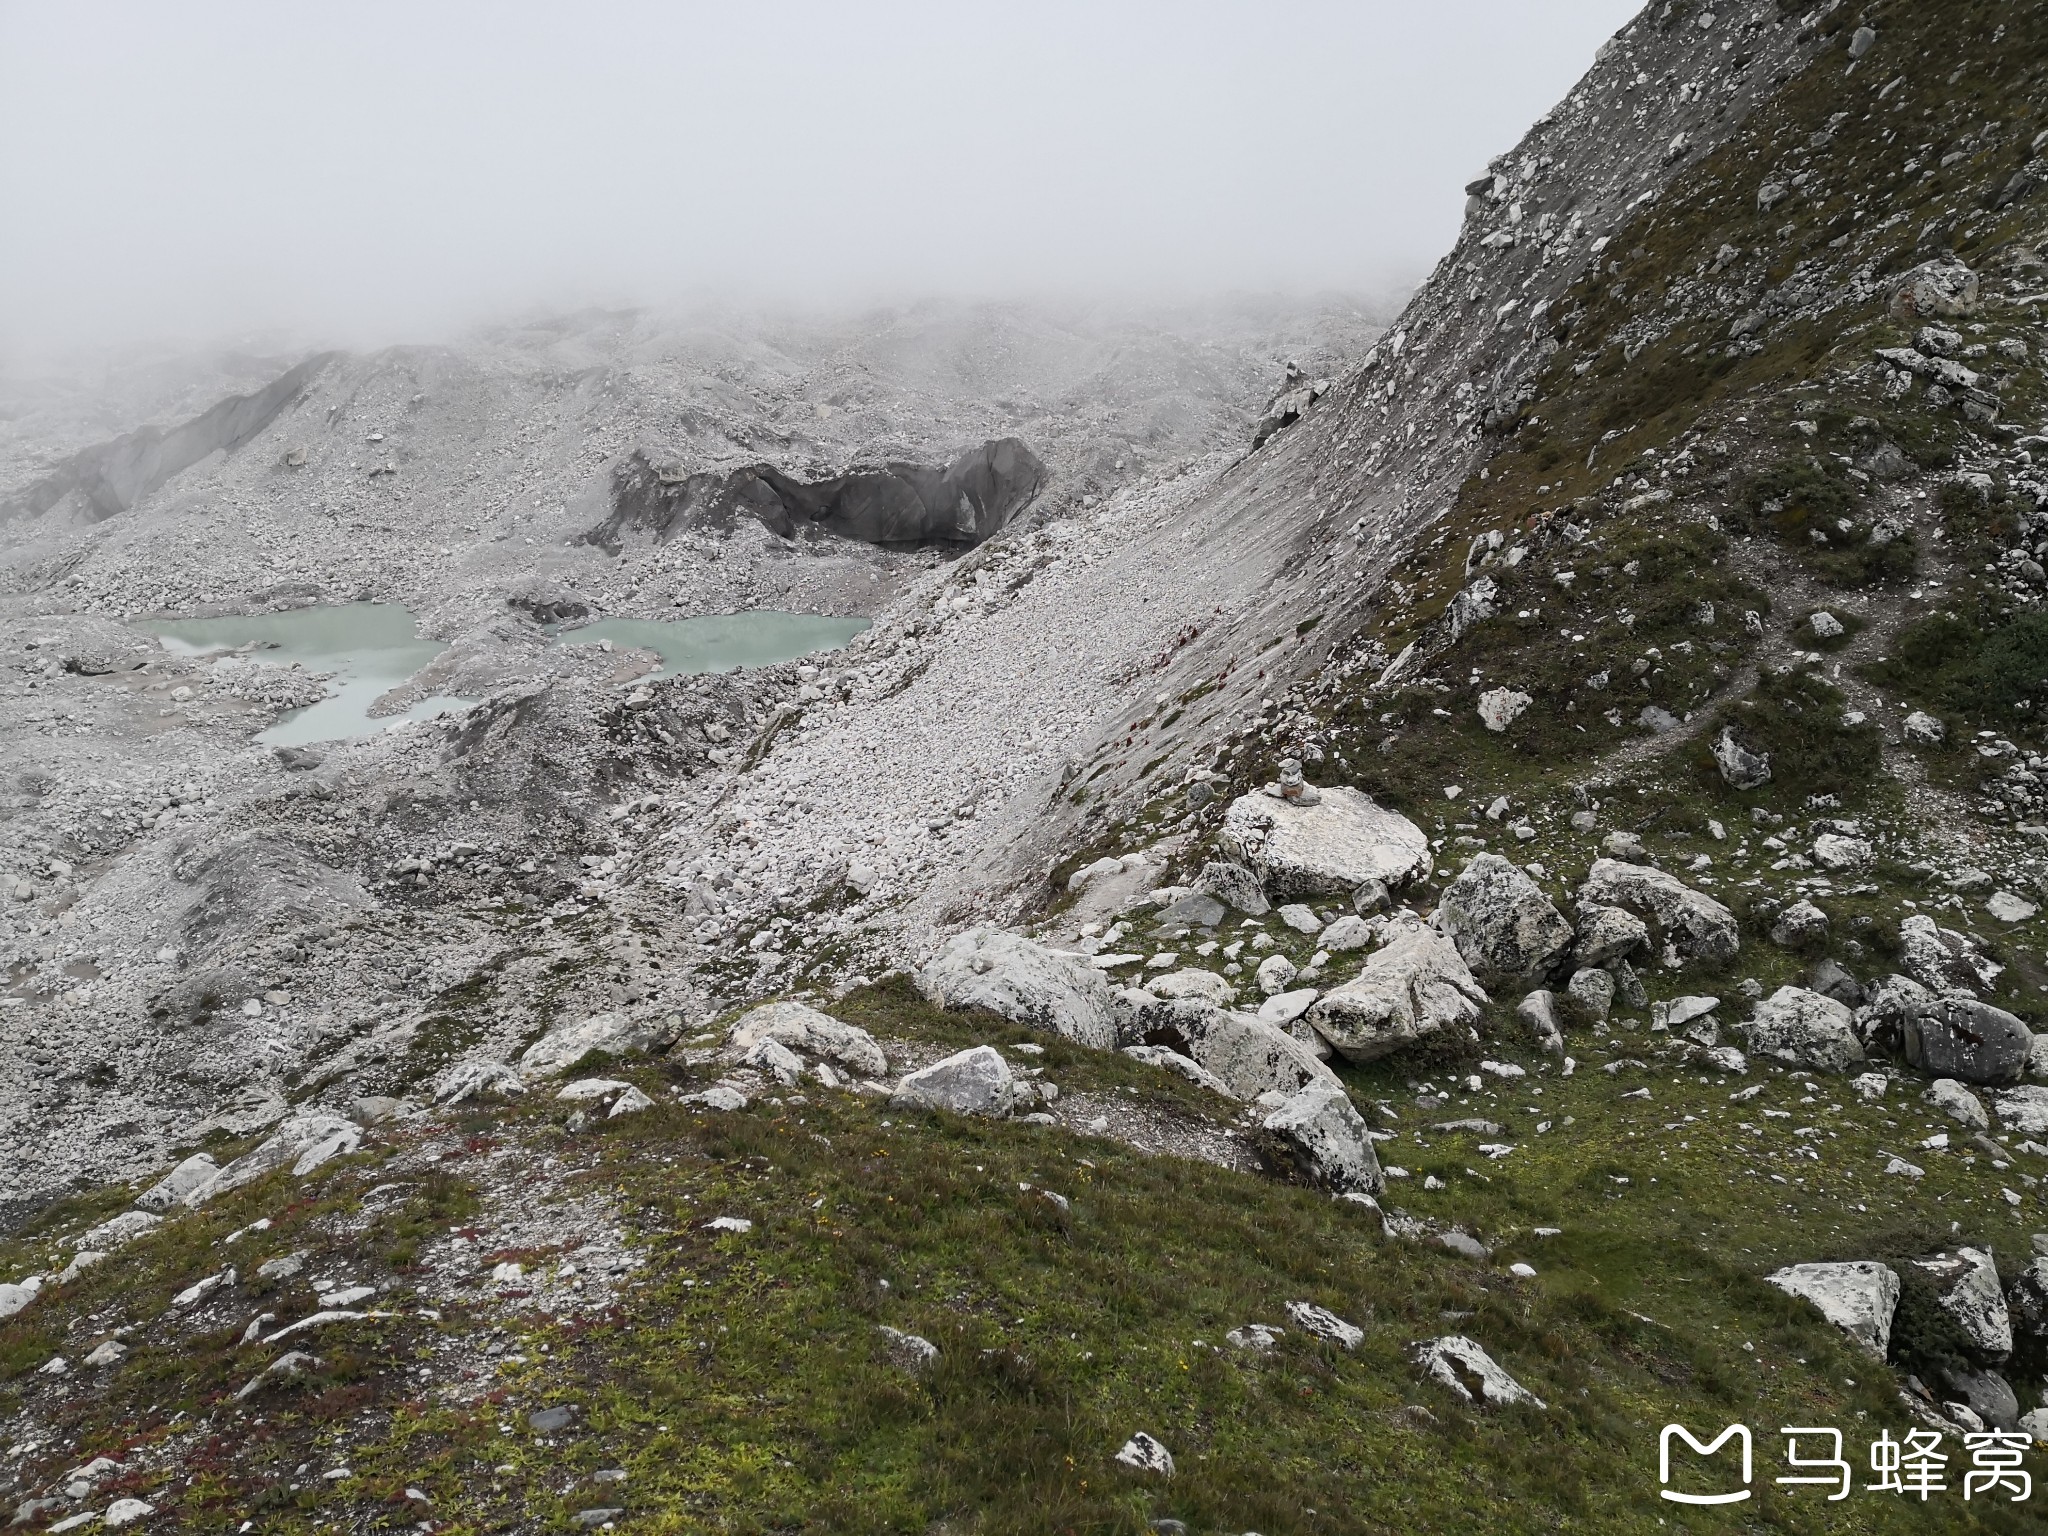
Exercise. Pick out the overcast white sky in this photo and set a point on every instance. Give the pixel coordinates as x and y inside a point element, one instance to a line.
<point>373,172</point>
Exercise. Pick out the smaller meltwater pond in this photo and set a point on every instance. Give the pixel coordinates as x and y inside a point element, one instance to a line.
<point>720,642</point>
<point>369,648</point>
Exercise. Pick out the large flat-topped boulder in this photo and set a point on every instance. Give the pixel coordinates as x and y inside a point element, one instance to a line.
<point>1329,848</point>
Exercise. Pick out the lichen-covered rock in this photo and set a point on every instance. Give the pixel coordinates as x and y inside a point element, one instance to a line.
<point>1146,1455</point>
<point>1252,1057</point>
<point>475,1078</point>
<point>1347,933</point>
<point>2023,1111</point>
<point>1412,986</point>
<point>1607,935</point>
<point>1026,983</point>
<point>1505,927</point>
<point>971,1082</point>
<point>611,1034</point>
<point>1962,1038</point>
<point>1840,853</point>
<point>1330,848</point>
<point>806,1031</point>
<point>1945,1035</point>
<point>1942,289</point>
<point>1858,1297</point>
<point>1798,925</point>
<point>908,1352</point>
<point>1924,729</point>
<point>1740,767</point>
<point>1592,990</point>
<point>1693,923</point>
<point>2027,1301</point>
<point>1941,959</point>
<point>118,1231</point>
<point>1985,1393</point>
<point>1321,1323</point>
<point>1234,885</point>
<point>1958,1103</point>
<point>1500,708</point>
<point>1967,1281</point>
<point>1806,1030</point>
<point>1319,1135</point>
<point>1193,983</point>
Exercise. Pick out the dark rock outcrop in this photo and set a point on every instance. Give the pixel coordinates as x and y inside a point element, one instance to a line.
<point>547,602</point>
<point>962,504</point>
<point>113,476</point>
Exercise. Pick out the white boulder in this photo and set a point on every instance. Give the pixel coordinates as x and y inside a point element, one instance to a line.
<point>475,1078</point>
<point>1348,932</point>
<point>119,1230</point>
<point>972,1082</point>
<point>1207,986</point>
<point>1500,708</point>
<point>1506,929</point>
<point>1330,848</point>
<point>613,1034</point>
<point>1971,1294</point>
<point>1958,1103</point>
<point>1839,854</point>
<point>1252,1057</point>
<point>1807,1030</point>
<point>1467,1370</point>
<point>1274,973</point>
<point>1698,926</point>
<point>1026,983</point>
<point>805,1031</point>
<point>1923,728</point>
<point>1321,1135</point>
<point>1321,1323</point>
<point>14,1297</point>
<point>178,1183</point>
<point>1283,1008</point>
<point>1412,986</point>
<point>1146,1455</point>
<point>2023,1111</point>
<point>303,1143</point>
<point>1859,1298</point>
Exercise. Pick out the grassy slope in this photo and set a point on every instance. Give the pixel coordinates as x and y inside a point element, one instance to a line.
<point>743,1385</point>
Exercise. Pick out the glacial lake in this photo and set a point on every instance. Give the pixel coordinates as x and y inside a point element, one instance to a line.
<point>370,648</point>
<point>723,642</point>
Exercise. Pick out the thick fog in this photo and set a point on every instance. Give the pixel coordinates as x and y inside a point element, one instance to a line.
<point>377,172</point>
